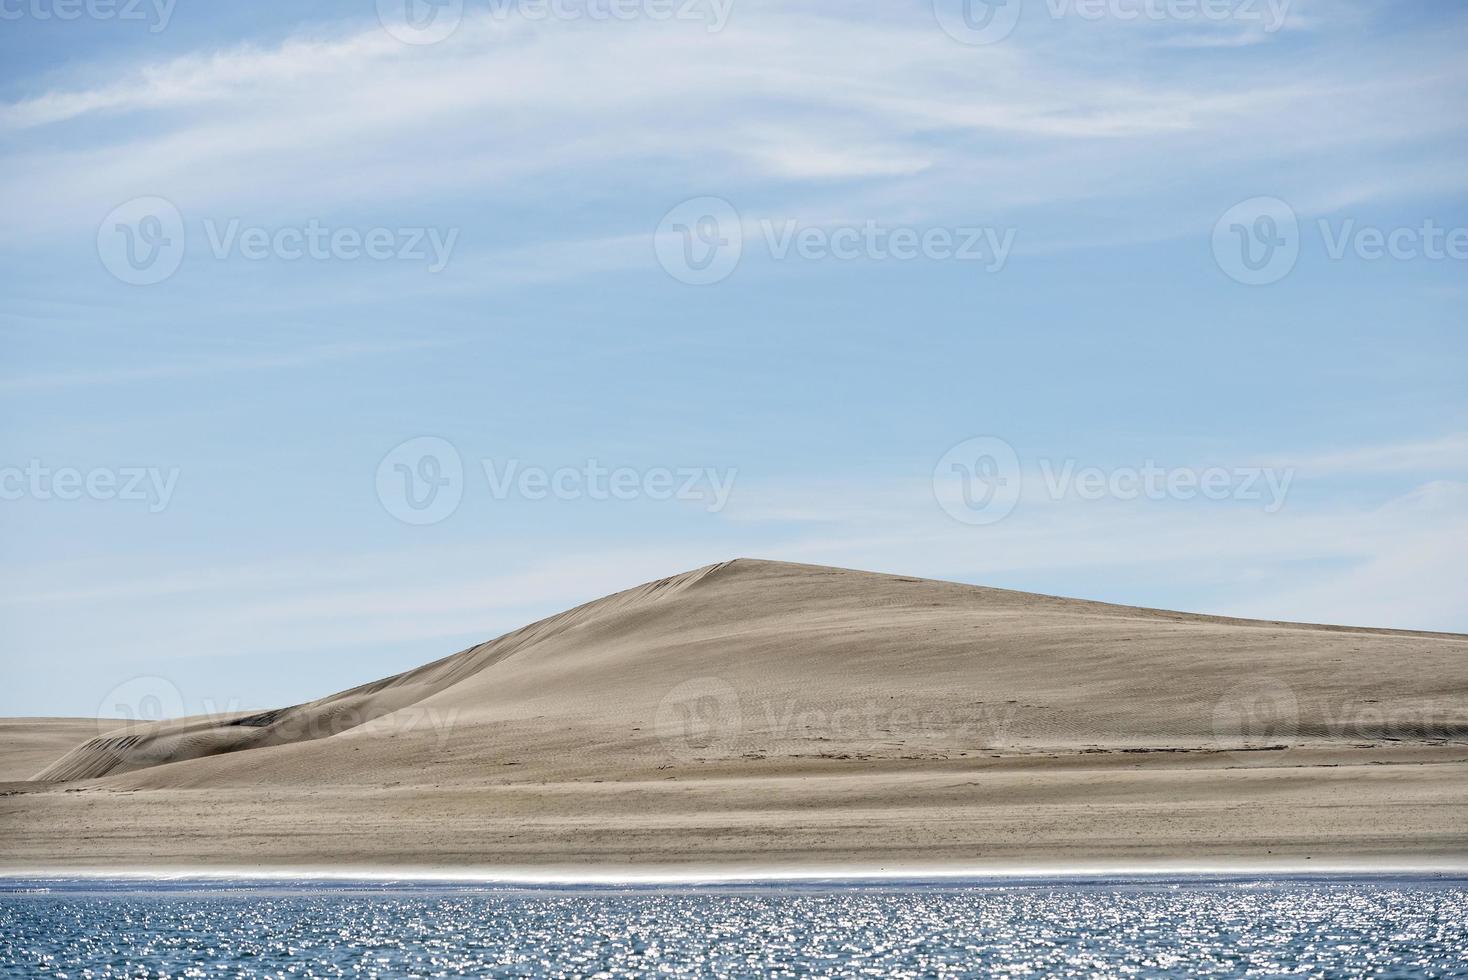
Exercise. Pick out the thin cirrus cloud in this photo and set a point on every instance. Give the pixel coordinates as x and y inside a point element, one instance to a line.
<point>1445,454</point>
<point>1385,567</point>
<point>776,97</point>
<point>1378,565</point>
<point>556,148</point>
<point>852,499</point>
<point>253,361</point>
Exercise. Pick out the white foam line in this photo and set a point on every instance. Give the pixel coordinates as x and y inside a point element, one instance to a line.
<point>740,875</point>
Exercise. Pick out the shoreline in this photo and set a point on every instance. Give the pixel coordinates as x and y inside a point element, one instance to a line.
<point>1318,813</point>
<point>1160,871</point>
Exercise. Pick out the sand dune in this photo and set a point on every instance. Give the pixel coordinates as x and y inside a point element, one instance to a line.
<point>797,712</point>
<point>27,745</point>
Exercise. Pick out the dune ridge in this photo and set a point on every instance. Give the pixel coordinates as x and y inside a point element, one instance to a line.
<point>771,714</point>
<point>816,636</point>
<point>141,746</point>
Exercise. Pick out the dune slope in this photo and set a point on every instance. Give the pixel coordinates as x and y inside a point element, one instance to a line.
<point>767,657</point>
<point>756,708</point>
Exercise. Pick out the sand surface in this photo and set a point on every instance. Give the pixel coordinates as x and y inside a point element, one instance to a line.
<point>28,745</point>
<point>775,715</point>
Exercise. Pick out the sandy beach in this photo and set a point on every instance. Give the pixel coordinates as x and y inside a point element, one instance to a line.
<point>765,715</point>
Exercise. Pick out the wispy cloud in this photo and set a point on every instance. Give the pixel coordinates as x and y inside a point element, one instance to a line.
<point>1388,563</point>
<point>556,148</point>
<point>244,361</point>
<point>777,96</point>
<point>1448,454</point>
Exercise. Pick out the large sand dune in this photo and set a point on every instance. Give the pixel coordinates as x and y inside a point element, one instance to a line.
<point>767,712</point>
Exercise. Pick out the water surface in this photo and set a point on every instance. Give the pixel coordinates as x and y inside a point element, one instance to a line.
<point>1116,926</point>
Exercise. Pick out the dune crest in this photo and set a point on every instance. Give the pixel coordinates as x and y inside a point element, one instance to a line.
<point>758,715</point>
<point>140,746</point>
<point>788,647</point>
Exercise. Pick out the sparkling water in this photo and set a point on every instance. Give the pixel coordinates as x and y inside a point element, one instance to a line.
<point>1117,926</point>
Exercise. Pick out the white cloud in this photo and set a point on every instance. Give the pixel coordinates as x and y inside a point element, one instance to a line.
<point>508,107</point>
<point>247,361</point>
<point>1394,563</point>
<point>1449,453</point>
<point>789,114</point>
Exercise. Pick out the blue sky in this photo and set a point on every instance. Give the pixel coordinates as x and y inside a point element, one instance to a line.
<point>1118,156</point>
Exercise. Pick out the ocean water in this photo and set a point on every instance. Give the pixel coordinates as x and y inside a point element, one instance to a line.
<point>1068,927</point>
